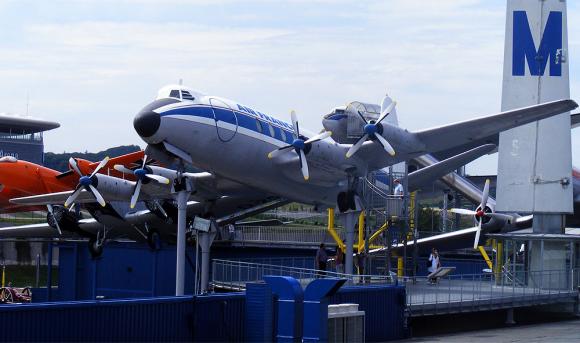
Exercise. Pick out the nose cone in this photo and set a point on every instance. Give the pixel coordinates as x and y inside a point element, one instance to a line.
<point>147,122</point>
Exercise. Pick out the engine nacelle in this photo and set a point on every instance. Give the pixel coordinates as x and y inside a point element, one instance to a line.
<point>491,224</point>
<point>346,124</point>
<point>114,187</point>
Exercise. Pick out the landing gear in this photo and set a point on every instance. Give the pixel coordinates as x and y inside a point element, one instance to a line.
<point>96,244</point>
<point>154,239</point>
<point>95,248</point>
<point>345,201</point>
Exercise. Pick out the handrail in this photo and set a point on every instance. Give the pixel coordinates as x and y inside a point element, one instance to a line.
<point>235,273</point>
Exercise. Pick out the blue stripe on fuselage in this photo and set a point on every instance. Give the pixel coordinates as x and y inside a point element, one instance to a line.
<point>245,120</point>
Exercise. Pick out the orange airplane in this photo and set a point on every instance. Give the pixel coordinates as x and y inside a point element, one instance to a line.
<point>21,178</point>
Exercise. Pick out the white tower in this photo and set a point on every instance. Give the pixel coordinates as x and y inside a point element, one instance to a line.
<point>535,160</point>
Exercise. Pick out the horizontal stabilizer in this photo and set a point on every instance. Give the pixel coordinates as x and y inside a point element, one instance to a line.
<point>575,120</point>
<point>440,169</point>
<point>448,136</point>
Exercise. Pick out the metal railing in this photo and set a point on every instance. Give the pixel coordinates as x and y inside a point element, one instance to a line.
<point>283,234</point>
<point>474,292</point>
<point>235,274</point>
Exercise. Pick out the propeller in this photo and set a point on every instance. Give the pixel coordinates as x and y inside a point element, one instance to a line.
<point>51,211</point>
<point>141,174</point>
<point>480,213</point>
<point>299,145</point>
<point>86,182</point>
<point>373,130</point>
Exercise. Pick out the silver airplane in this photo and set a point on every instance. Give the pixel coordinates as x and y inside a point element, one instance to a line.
<point>266,153</point>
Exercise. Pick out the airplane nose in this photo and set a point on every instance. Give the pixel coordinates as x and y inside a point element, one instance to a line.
<point>147,122</point>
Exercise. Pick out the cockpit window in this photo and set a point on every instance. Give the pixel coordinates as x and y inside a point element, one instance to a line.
<point>185,95</point>
<point>9,159</point>
<point>174,94</point>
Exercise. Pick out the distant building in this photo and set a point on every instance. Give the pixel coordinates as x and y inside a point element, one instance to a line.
<point>22,137</point>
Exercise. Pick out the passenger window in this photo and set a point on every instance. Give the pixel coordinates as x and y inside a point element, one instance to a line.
<point>272,132</point>
<point>258,126</point>
<point>283,134</point>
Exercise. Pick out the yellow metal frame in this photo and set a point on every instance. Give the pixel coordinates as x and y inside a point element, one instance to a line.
<point>359,246</point>
<point>361,229</point>
<point>3,275</point>
<point>332,230</point>
<point>485,256</point>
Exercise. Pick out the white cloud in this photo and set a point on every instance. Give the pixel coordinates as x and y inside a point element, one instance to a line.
<point>442,60</point>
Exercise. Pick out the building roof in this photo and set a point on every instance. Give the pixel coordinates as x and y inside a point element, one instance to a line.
<point>23,124</point>
<point>528,235</point>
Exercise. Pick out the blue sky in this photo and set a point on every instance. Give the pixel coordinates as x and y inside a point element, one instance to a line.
<point>91,65</point>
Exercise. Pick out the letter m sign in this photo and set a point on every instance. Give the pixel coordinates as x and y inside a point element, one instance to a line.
<point>524,49</point>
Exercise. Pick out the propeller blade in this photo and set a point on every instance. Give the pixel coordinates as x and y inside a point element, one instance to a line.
<point>485,195</point>
<point>135,195</point>
<point>354,148</point>
<point>74,165</point>
<point>50,210</point>
<point>387,111</point>
<point>98,196</point>
<point>362,117</point>
<point>304,165</point>
<point>121,168</point>
<point>279,151</point>
<point>71,199</point>
<point>462,211</point>
<point>319,137</point>
<point>388,148</point>
<point>101,165</point>
<point>477,234</point>
<point>158,178</point>
<point>144,161</point>
<point>295,123</point>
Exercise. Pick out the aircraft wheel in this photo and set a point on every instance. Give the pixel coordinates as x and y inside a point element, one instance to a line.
<point>342,202</point>
<point>154,240</point>
<point>95,248</point>
<point>350,200</point>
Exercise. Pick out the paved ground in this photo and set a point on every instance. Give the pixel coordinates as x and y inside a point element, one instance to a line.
<point>561,331</point>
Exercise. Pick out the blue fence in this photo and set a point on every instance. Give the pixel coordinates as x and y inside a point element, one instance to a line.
<point>384,308</point>
<point>204,318</point>
<point>130,270</point>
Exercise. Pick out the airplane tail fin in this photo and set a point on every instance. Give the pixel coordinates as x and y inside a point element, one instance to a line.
<point>535,160</point>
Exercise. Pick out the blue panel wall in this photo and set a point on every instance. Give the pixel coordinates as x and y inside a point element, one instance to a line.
<point>125,270</point>
<point>384,308</point>
<point>131,270</point>
<point>204,318</point>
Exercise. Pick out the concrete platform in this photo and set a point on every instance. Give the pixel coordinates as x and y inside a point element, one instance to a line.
<point>455,296</point>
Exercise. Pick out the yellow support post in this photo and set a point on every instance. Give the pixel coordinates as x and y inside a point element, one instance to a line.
<point>377,233</point>
<point>3,275</point>
<point>361,228</point>
<point>333,232</point>
<point>499,262</point>
<point>399,266</point>
<point>485,257</point>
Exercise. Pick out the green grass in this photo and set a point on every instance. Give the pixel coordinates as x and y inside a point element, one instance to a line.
<point>25,276</point>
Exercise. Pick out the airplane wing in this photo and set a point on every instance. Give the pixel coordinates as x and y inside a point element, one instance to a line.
<point>134,159</point>
<point>440,169</point>
<point>43,230</point>
<point>55,198</point>
<point>458,134</point>
<point>492,139</point>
